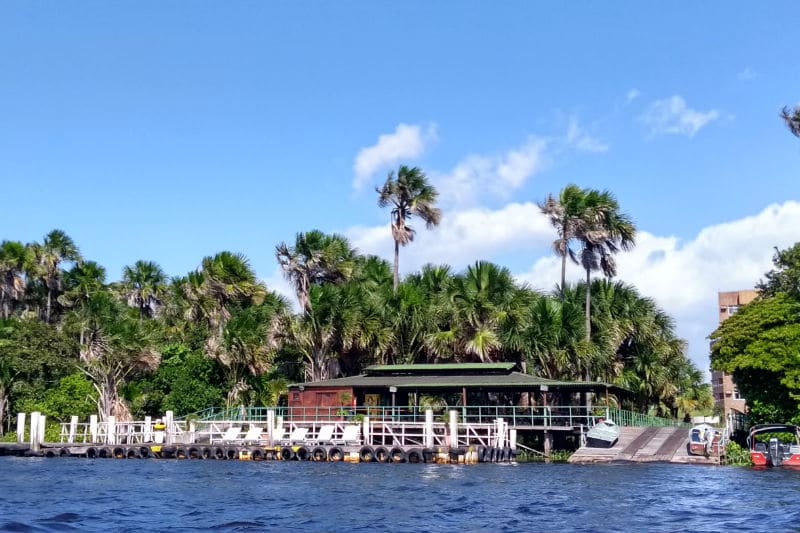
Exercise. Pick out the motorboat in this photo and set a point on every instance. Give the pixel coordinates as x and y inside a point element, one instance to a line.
<point>705,439</point>
<point>774,445</point>
<point>604,434</point>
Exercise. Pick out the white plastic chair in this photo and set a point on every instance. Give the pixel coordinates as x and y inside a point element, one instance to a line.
<point>324,435</point>
<point>231,434</point>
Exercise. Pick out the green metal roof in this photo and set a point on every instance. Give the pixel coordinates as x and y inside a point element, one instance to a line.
<point>439,368</point>
<point>513,380</point>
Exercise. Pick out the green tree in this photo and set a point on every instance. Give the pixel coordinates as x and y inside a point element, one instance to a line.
<point>792,119</point>
<point>606,232</point>
<point>410,195</point>
<point>315,258</point>
<point>568,214</point>
<point>759,346</point>
<point>144,287</point>
<point>56,248</point>
<point>33,355</point>
<point>785,277</point>
<point>115,348</point>
<point>14,260</point>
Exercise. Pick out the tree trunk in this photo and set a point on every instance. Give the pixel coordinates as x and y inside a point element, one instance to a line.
<point>588,307</point>
<point>563,273</point>
<point>396,264</point>
<point>3,402</point>
<point>588,399</point>
<point>49,297</point>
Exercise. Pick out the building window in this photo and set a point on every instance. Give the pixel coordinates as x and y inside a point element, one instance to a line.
<point>736,394</point>
<point>732,310</point>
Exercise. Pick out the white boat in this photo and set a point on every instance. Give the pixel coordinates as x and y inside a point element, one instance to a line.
<point>603,434</point>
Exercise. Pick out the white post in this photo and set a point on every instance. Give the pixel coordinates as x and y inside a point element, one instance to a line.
<point>453,429</point>
<point>20,428</point>
<point>501,430</point>
<point>366,431</point>
<point>111,430</point>
<point>40,433</point>
<point>279,425</point>
<point>147,430</point>
<point>34,437</point>
<point>429,428</point>
<point>513,439</point>
<point>192,431</point>
<point>169,429</point>
<point>270,425</point>
<point>93,428</point>
<point>73,429</point>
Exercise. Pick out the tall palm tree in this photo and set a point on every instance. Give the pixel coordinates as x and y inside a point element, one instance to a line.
<point>792,119</point>
<point>14,260</point>
<point>568,215</point>
<point>410,195</point>
<point>315,258</point>
<point>144,284</point>
<point>56,248</point>
<point>604,233</point>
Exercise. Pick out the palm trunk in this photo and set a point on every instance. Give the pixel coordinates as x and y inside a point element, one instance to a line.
<point>3,402</point>
<point>396,264</point>
<point>563,274</point>
<point>49,297</point>
<point>588,398</point>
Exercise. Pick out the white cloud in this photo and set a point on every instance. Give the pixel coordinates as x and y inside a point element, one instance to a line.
<point>747,74</point>
<point>684,278</point>
<point>462,237</point>
<point>632,95</point>
<point>581,140</point>
<point>407,142</point>
<point>498,175</point>
<point>277,282</point>
<point>673,116</point>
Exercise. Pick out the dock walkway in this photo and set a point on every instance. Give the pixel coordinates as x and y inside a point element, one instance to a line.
<point>644,445</point>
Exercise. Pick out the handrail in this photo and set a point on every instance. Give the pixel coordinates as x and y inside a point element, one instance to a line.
<point>530,416</point>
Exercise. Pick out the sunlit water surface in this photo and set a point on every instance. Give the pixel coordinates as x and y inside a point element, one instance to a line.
<point>107,495</point>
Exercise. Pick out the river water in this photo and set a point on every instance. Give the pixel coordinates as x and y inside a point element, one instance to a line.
<point>72,494</point>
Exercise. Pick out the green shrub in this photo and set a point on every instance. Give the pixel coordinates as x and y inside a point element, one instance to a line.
<point>737,456</point>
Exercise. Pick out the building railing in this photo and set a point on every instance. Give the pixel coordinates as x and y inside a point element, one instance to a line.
<point>539,416</point>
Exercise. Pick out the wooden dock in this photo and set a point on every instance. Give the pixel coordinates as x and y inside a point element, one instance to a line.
<point>644,445</point>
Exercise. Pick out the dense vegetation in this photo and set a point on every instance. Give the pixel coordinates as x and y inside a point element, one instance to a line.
<point>760,345</point>
<point>71,342</point>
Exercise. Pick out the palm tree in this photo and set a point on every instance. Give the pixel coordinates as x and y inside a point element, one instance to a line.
<point>480,302</point>
<point>315,258</point>
<point>144,284</point>
<point>56,248</point>
<point>14,260</point>
<point>792,119</point>
<point>604,232</point>
<point>114,348</point>
<point>410,195</point>
<point>567,214</point>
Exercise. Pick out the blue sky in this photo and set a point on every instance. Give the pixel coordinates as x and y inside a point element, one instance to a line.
<point>170,131</point>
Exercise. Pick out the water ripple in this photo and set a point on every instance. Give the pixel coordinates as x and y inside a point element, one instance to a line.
<point>196,496</point>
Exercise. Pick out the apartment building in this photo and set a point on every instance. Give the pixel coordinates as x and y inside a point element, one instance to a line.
<point>726,396</point>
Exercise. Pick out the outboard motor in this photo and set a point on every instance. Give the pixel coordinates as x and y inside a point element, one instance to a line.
<point>775,452</point>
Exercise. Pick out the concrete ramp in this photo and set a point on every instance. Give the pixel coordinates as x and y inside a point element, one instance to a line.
<point>644,445</point>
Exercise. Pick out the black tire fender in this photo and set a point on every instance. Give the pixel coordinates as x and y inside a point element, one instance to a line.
<point>286,454</point>
<point>335,454</point>
<point>382,455</point>
<point>414,455</point>
<point>397,455</point>
<point>366,454</point>
<point>319,454</point>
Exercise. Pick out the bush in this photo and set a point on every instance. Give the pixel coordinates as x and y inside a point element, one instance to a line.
<point>737,456</point>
